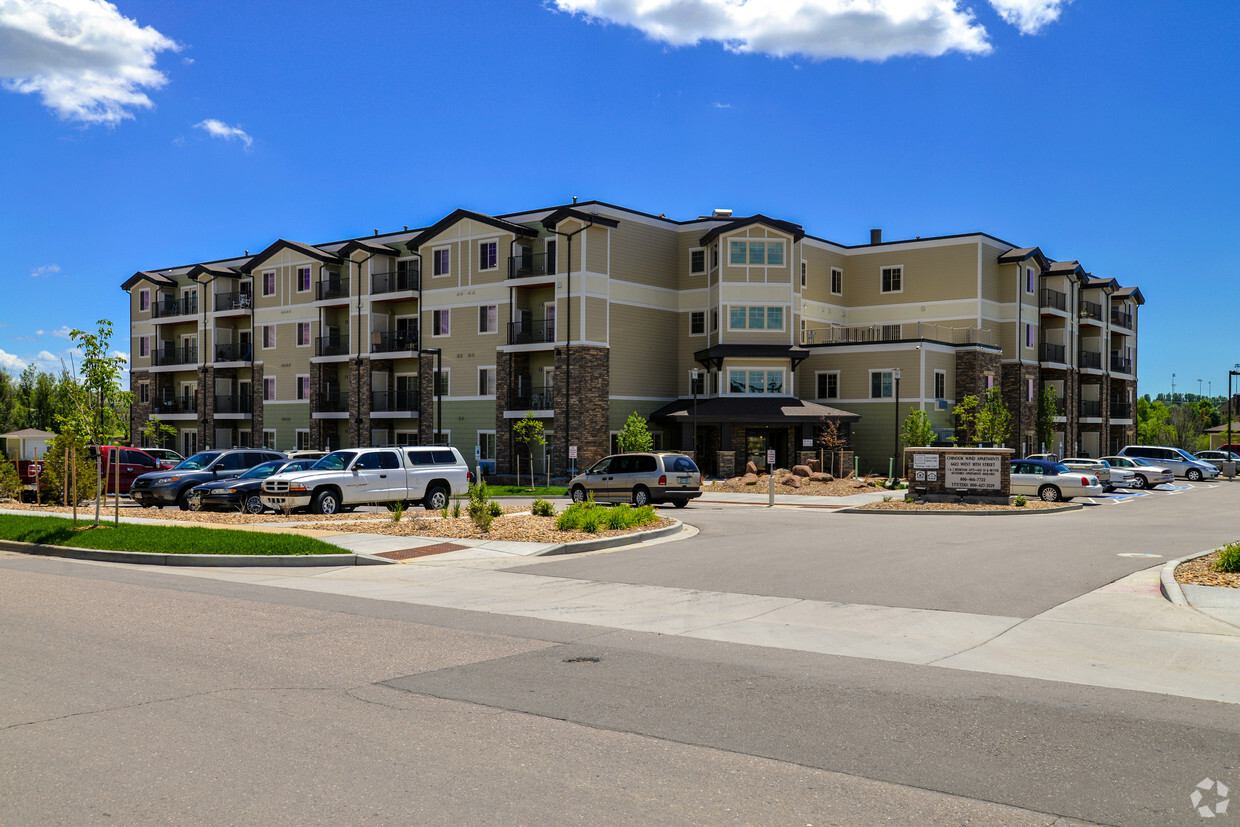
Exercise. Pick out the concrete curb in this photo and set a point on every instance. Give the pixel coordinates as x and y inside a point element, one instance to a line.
<point>1171,587</point>
<point>146,558</point>
<point>1057,510</point>
<point>613,542</point>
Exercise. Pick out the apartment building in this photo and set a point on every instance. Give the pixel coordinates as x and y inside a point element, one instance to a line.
<point>734,336</point>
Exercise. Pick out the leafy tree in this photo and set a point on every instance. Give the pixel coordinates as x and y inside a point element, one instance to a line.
<point>529,432</point>
<point>965,412</point>
<point>158,432</point>
<point>1046,415</point>
<point>832,442</point>
<point>1152,427</point>
<point>10,480</point>
<point>1184,427</point>
<point>994,421</point>
<point>52,480</point>
<point>635,436</point>
<point>96,409</point>
<point>917,432</point>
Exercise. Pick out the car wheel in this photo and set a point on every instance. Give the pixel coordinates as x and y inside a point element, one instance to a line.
<point>641,496</point>
<point>1140,482</point>
<point>436,499</point>
<point>1050,494</point>
<point>325,502</point>
<point>680,503</point>
<point>254,504</point>
<point>183,500</point>
<point>1193,475</point>
<point>579,494</point>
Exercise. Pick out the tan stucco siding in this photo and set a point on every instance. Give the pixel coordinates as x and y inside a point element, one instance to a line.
<point>650,370</point>
<point>931,273</point>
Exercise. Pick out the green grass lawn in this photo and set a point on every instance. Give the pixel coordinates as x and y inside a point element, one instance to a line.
<point>54,531</point>
<point>526,491</point>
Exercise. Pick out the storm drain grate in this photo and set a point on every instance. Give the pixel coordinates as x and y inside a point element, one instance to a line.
<point>420,551</point>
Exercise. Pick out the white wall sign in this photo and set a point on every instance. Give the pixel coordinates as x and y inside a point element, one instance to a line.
<point>925,460</point>
<point>974,472</point>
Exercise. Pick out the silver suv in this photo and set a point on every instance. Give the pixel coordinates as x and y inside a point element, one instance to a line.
<point>640,479</point>
<point>1181,463</point>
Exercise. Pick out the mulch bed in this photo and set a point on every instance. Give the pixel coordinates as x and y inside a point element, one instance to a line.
<point>1200,572</point>
<point>835,488</point>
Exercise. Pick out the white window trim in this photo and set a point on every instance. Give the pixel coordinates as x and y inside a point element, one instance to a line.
<point>297,279</point>
<point>804,273</point>
<point>937,374</point>
<point>274,337</point>
<point>447,384</point>
<point>272,444</point>
<point>869,387</point>
<point>1031,282</point>
<point>144,295</point>
<point>446,433</point>
<point>297,432</point>
<point>482,332</point>
<point>765,239</point>
<point>309,390</point>
<point>309,334</point>
<point>435,261</point>
<point>880,279</point>
<point>835,373</point>
<point>275,389</point>
<point>435,334</point>
<point>691,312</point>
<point>481,434</point>
<point>768,368</point>
<point>144,388</point>
<point>727,309</point>
<point>701,272</point>
<point>275,283</point>
<point>840,270</point>
<point>478,246</point>
<point>494,380</point>
<point>397,434</point>
<point>144,347</point>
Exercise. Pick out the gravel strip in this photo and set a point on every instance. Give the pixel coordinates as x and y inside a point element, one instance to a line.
<point>520,529</point>
<point>1200,572</point>
<point>835,488</point>
<point>901,505</point>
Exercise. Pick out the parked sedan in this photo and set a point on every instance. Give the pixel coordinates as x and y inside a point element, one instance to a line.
<point>242,493</point>
<point>1111,478</point>
<point>1144,476</point>
<point>172,487</point>
<point>1217,458</point>
<point>1052,481</point>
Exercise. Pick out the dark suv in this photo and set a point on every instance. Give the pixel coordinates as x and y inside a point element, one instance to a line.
<point>172,487</point>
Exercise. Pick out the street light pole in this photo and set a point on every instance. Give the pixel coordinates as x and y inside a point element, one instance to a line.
<point>693,379</point>
<point>895,374</point>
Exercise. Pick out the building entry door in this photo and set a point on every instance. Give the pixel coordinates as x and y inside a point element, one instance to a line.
<point>760,440</point>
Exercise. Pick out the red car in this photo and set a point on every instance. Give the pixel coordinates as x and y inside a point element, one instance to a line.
<point>134,463</point>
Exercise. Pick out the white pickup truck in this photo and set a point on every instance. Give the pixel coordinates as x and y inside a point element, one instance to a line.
<point>345,479</point>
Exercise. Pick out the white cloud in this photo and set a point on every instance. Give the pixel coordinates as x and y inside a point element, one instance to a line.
<point>11,363</point>
<point>44,271</point>
<point>87,61</point>
<point>1030,16</point>
<point>857,29</point>
<point>219,129</point>
<point>723,105</point>
<point>61,332</point>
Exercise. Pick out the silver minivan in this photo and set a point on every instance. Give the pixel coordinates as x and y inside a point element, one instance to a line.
<point>640,479</point>
<point>1179,462</point>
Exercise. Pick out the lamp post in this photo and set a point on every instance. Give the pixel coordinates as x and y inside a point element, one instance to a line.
<point>1231,412</point>
<point>693,380</point>
<point>895,375</point>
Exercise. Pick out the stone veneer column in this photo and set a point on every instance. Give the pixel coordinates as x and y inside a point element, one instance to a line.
<point>359,402</point>
<point>1024,414</point>
<point>257,390</point>
<point>589,414</point>
<point>973,365</point>
<point>206,406</point>
<point>140,413</point>
<point>316,390</point>
<point>426,400</point>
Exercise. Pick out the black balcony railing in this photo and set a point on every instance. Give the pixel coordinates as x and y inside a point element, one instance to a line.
<point>1091,359</point>
<point>530,264</point>
<point>332,400</point>
<point>337,345</point>
<point>393,341</point>
<point>332,287</point>
<point>170,306</point>
<point>388,401</point>
<point>1121,319</point>
<point>1091,407</point>
<point>1120,364</point>
<point>394,282</point>
<point>234,352</point>
<point>1091,310</point>
<point>526,397</point>
<point>1050,352</point>
<point>176,356</point>
<point>175,404</point>
<point>1054,299</point>
<point>1121,410</point>
<point>236,300</point>
<point>241,403</point>
<point>529,332</point>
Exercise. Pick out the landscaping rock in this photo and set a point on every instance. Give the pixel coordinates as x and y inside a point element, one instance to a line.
<point>818,476</point>
<point>802,470</point>
<point>750,468</point>
<point>792,481</point>
<point>748,479</point>
<point>815,465</point>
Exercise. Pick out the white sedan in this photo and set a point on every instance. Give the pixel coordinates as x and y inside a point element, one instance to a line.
<point>1052,481</point>
<point>1110,477</point>
<point>1144,476</point>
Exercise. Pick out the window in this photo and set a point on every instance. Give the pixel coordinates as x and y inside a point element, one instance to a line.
<point>269,336</point>
<point>144,300</point>
<point>488,315</point>
<point>486,381</point>
<point>303,439</point>
<point>269,284</point>
<point>488,256</point>
<point>714,256</point>
<point>803,266</point>
<point>828,384</point>
<point>303,334</point>
<point>940,384</point>
<point>269,438</point>
<point>881,384</point>
<point>990,381</point>
<point>439,323</point>
<point>837,281</point>
<point>269,388</point>
<point>144,346</point>
<point>697,323</point>
<point>756,253</point>
<point>442,260</point>
<point>697,262</point>
<point>1028,335</point>
<point>755,317</point>
<point>303,279</point>
<point>144,392</point>
<point>893,280</point>
<point>755,381</point>
<point>551,248</point>
<point>443,382</point>
<point>1030,278</point>
<point>303,387</point>
<point>1028,390</point>
<point>486,445</point>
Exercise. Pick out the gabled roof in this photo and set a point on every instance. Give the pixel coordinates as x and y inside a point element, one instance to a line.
<point>1071,269</point>
<point>460,215</point>
<point>28,433</point>
<point>216,270</point>
<point>143,275</point>
<point>1104,284</point>
<point>1024,254</point>
<point>788,227</point>
<point>554,218</point>
<point>1133,293</point>
<point>305,249</point>
<point>366,246</point>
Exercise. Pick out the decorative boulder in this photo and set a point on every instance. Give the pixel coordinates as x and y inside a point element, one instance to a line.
<point>792,481</point>
<point>815,465</point>
<point>802,470</point>
<point>818,476</point>
<point>750,468</point>
<point>748,479</point>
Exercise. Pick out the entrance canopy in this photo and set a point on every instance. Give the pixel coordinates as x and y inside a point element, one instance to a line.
<point>750,409</point>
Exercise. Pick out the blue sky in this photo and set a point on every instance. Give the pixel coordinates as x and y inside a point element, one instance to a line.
<point>144,134</point>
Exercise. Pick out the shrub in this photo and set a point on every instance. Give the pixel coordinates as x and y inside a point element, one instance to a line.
<point>643,515</point>
<point>456,508</point>
<point>1229,559</point>
<point>1020,501</point>
<point>398,511</point>
<point>483,520</point>
<point>542,508</point>
<point>887,498</point>
<point>591,520</point>
<point>619,516</point>
<point>481,508</point>
<point>495,509</point>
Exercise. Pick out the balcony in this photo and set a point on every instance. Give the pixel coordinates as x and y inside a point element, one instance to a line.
<point>1091,407</point>
<point>333,287</point>
<point>874,333</point>
<point>166,356</point>
<point>1120,364</point>
<point>332,400</point>
<point>234,352</point>
<point>1091,310</point>
<point>337,345</point>
<point>393,341</point>
<point>1121,410</point>
<point>169,306</point>
<point>530,332</point>
<point>236,300</point>
<point>241,403</point>
<point>1091,359</point>
<point>388,402</point>
<point>395,282</point>
<point>1061,406</point>
<point>175,405</point>
<point>530,264</point>
<point>526,397</point>
<point>1053,299</point>
<point>1121,319</point>
<point>1050,352</point>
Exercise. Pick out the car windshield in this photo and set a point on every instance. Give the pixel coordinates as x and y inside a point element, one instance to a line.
<point>259,472</point>
<point>335,461</point>
<point>1186,455</point>
<point>198,461</point>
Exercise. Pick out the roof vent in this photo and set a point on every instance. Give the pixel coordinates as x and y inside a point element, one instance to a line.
<point>721,214</point>
<point>876,236</point>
